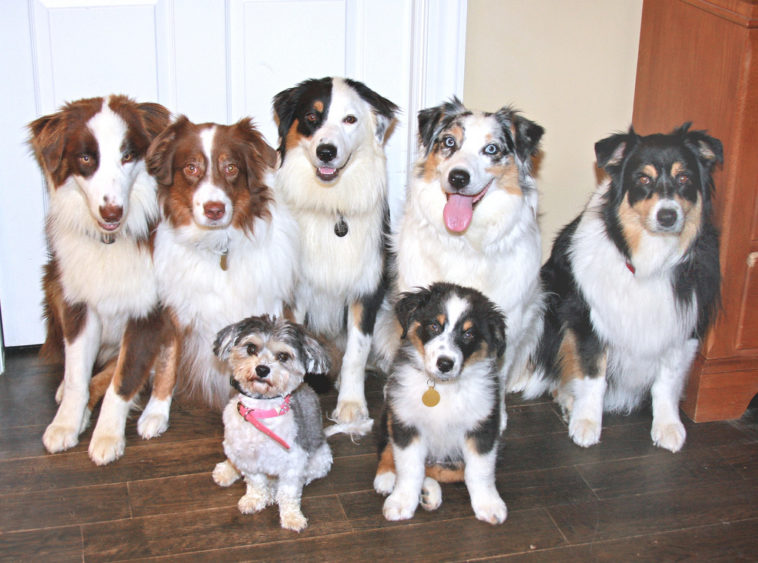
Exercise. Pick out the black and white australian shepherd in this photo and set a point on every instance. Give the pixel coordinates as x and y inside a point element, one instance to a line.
<point>226,248</point>
<point>101,300</point>
<point>632,285</point>
<point>333,177</point>
<point>442,403</point>
<point>470,218</point>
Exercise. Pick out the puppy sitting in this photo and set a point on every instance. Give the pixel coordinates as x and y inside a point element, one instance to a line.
<point>442,415</point>
<point>273,434</point>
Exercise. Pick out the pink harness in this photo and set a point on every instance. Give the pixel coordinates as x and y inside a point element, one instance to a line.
<point>253,416</point>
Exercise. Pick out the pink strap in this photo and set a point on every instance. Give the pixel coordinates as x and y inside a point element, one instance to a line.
<point>252,416</point>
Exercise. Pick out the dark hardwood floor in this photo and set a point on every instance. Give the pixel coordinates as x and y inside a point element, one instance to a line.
<point>621,500</point>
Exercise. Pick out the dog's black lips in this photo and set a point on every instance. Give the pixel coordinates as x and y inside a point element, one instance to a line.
<point>236,384</point>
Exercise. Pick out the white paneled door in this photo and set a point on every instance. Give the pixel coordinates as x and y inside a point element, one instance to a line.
<point>212,60</point>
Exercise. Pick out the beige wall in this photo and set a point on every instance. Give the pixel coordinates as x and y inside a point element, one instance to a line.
<point>570,66</point>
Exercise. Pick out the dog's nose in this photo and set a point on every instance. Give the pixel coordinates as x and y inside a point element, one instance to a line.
<point>111,213</point>
<point>214,210</point>
<point>262,371</point>
<point>458,178</point>
<point>326,152</point>
<point>445,364</point>
<point>666,217</point>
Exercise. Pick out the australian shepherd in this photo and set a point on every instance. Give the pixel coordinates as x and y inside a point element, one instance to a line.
<point>101,300</point>
<point>442,416</point>
<point>226,248</point>
<point>333,176</point>
<point>632,284</point>
<point>470,218</point>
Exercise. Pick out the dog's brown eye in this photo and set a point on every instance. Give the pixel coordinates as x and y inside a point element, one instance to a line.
<point>191,169</point>
<point>644,180</point>
<point>311,117</point>
<point>350,119</point>
<point>683,179</point>
<point>282,357</point>
<point>128,156</point>
<point>434,328</point>
<point>231,170</point>
<point>252,349</point>
<point>468,336</point>
<point>85,159</point>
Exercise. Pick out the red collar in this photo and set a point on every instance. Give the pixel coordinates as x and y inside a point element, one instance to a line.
<point>253,416</point>
<point>630,266</point>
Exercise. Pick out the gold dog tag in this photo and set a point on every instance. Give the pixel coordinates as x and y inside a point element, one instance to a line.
<point>430,397</point>
<point>223,261</point>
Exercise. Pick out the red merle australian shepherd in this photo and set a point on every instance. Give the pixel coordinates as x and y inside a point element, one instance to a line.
<point>101,299</point>
<point>633,283</point>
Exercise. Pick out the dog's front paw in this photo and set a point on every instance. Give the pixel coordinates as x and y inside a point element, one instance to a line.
<point>431,494</point>
<point>293,519</point>
<point>107,448</point>
<point>224,474</point>
<point>348,412</point>
<point>384,483</point>
<point>669,435</point>
<point>585,432</point>
<point>491,510</point>
<point>398,506</point>
<point>151,425</point>
<point>58,437</point>
<point>253,502</point>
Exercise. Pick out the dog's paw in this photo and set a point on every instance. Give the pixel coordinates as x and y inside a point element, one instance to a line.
<point>398,506</point>
<point>224,474</point>
<point>152,425</point>
<point>431,494</point>
<point>491,510</point>
<point>107,448</point>
<point>293,519</point>
<point>253,502</point>
<point>384,483</point>
<point>668,435</point>
<point>58,437</point>
<point>348,412</point>
<point>585,432</point>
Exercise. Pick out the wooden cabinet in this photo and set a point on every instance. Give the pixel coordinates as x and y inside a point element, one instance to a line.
<point>698,61</point>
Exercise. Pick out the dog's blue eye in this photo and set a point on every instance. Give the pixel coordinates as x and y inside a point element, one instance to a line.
<point>282,357</point>
<point>252,349</point>
<point>448,141</point>
<point>491,149</point>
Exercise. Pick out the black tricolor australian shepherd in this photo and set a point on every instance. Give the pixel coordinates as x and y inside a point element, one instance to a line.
<point>442,403</point>
<point>633,283</point>
<point>333,177</point>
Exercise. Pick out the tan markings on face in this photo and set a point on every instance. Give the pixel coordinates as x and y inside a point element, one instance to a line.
<point>441,319</point>
<point>633,219</point>
<point>430,169</point>
<point>649,170</point>
<point>478,355</point>
<point>293,138</point>
<point>676,168</point>
<point>506,177</point>
<point>468,324</point>
<point>318,106</point>
<point>693,217</point>
<point>413,337</point>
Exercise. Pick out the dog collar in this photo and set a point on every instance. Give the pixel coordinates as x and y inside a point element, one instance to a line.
<point>630,267</point>
<point>253,416</point>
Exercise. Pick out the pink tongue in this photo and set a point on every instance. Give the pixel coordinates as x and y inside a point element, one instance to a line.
<point>458,212</point>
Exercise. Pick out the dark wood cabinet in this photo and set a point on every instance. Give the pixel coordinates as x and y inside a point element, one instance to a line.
<point>698,61</point>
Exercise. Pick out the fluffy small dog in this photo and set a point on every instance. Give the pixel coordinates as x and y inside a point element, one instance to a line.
<point>471,218</point>
<point>442,413</point>
<point>333,176</point>
<point>273,434</point>
<point>101,299</point>
<point>633,283</point>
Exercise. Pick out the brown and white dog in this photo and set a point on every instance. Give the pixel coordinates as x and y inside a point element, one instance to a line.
<point>333,176</point>
<point>101,299</point>
<point>470,218</point>
<point>226,248</point>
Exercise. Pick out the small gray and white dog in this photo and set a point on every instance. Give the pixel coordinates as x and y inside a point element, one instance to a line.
<point>273,431</point>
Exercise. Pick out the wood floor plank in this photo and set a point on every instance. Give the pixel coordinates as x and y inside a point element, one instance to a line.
<point>57,544</point>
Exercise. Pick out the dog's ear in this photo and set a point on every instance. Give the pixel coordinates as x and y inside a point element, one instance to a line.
<point>406,307</point>
<point>224,342</point>
<point>317,359</point>
<point>612,151</point>
<point>257,152</point>
<point>430,119</point>
<point>527,136</point>
<point>155,118</point>
<point>160,155</point>
<point>496,322</point>
<point>284,105</point>
<point>709,150</point>
<point>48,138</point>
<point>383,109</point>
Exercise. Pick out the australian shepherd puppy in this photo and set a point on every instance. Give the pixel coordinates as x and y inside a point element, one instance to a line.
<point>442,413</point>
<point>101,300</point>
<point>633,283</point>
<point>226,248</point>
<point>333,176</point>
<point>471,218</point>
